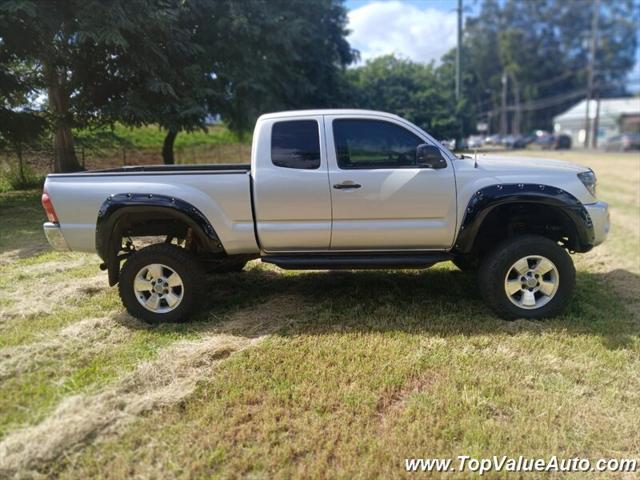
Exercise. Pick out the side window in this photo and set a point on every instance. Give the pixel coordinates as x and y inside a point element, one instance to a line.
<point>374,144</point>
<point>295,144</point>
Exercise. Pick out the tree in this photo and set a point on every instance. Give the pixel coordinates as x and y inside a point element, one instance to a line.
<point>171,62</point>
<point>238,59</point>
<point>285,54</point>
<point>172,84</point>
<point>423,94</point>
<point>19,124</point>
<point>543,46</point>
<point>85,54</point>
<point>20,129</point>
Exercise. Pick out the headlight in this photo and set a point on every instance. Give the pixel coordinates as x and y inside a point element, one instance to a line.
<point>588,179</point>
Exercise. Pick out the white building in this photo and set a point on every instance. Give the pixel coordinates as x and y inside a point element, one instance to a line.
<point>617,115</point>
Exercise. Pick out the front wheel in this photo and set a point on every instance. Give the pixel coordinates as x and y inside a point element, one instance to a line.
<point>527,277</point>
<point>161,283</point>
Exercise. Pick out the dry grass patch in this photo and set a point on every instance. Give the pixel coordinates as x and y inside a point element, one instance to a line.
<point>169,378</point>
<point>91,336</point>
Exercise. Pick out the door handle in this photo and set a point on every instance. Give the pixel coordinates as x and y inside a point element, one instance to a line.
<point>345,185</point>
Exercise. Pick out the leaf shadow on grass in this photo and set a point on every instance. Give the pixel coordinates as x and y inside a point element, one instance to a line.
<point>434,302</point>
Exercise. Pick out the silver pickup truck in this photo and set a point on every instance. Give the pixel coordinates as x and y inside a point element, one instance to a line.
<point>333,189</point>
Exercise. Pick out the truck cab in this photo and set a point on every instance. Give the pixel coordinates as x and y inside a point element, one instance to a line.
<point>349,181</point>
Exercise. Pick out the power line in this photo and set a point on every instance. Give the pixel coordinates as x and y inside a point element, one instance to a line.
<point>551,81</point>
<point>545,82</point>
<point>541,103</point>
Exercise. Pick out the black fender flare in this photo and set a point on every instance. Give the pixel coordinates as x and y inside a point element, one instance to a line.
<point>488,198</point>
<point>116,208</point>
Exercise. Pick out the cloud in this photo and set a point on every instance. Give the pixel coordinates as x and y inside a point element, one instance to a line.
<point>422,35</point>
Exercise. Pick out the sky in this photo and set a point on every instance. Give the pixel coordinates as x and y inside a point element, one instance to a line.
<point>420,30</point>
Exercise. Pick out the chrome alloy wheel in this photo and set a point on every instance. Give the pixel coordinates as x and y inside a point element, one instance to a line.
<point>158,288</point>
<point>532,282</point>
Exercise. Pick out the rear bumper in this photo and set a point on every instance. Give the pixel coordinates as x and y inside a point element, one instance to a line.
<point>54,236</point>
<point>599,213</point>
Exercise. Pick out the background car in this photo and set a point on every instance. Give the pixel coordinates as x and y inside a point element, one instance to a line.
<point>623,143</point>
<point>544,139</point>
<point>517,141</point>
<point>449,143</point>
<point>475,141</point>
<point>494,139</point>
<point>561,142</point>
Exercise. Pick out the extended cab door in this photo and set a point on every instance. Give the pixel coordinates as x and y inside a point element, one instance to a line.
<point>381,198</point>
<point>291,196</point>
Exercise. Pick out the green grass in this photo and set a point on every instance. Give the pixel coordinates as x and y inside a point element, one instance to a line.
<point>355,371</point>
<point>353,388</point>
<point>21,218</point>
<point>151,137</point>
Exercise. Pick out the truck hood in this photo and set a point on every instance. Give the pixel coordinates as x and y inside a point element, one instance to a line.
<point>527,165</point>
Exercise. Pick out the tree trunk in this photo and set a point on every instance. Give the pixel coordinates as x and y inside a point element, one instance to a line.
<point>18,149</point>
<point>167,147</point>
<point>65,153</point>
<point>63,149</point>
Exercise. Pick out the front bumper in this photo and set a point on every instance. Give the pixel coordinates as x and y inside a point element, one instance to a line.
<point>54,236</point>
<point>599,213</point>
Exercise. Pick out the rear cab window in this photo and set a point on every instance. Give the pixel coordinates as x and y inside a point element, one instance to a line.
<point>296,144</point>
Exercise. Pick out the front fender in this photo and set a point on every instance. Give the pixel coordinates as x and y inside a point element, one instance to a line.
<point>488,198</point>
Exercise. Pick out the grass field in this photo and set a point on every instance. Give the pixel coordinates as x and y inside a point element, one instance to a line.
<point>151,137</point>
<point>313,375</point>
<point>106,148</point>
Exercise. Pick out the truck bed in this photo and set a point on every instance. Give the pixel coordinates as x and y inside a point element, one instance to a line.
<point>222,193</point>
<point>175,169</point>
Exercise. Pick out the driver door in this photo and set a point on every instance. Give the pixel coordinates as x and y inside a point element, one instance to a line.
<point>381,199</point>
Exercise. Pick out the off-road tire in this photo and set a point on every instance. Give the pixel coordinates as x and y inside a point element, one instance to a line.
<point>182,262</point>
<point>497,264</point>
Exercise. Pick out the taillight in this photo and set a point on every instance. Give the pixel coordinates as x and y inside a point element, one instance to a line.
<point>48,207</point>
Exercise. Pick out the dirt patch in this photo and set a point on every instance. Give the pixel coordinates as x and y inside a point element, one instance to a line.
<point>171,377</point>
<point>10,256</point>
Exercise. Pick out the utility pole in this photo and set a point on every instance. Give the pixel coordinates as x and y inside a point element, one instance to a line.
<point>503,107</point>
<point>590,69</point>
<point>459,54</point>
<point>459,75</point>
<point>596,121</point>
<point>517,116</point>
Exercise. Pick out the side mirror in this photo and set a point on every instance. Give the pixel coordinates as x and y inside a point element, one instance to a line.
<point>430,156</point>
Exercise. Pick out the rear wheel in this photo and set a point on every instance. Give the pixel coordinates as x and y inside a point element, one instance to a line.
<point>527,277</point>
<point>161,283</point>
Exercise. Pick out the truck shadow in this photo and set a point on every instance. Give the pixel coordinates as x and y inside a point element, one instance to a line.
<point>432,302</point>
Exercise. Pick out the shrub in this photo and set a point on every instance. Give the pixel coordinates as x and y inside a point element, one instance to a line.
<point>12,179</point>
